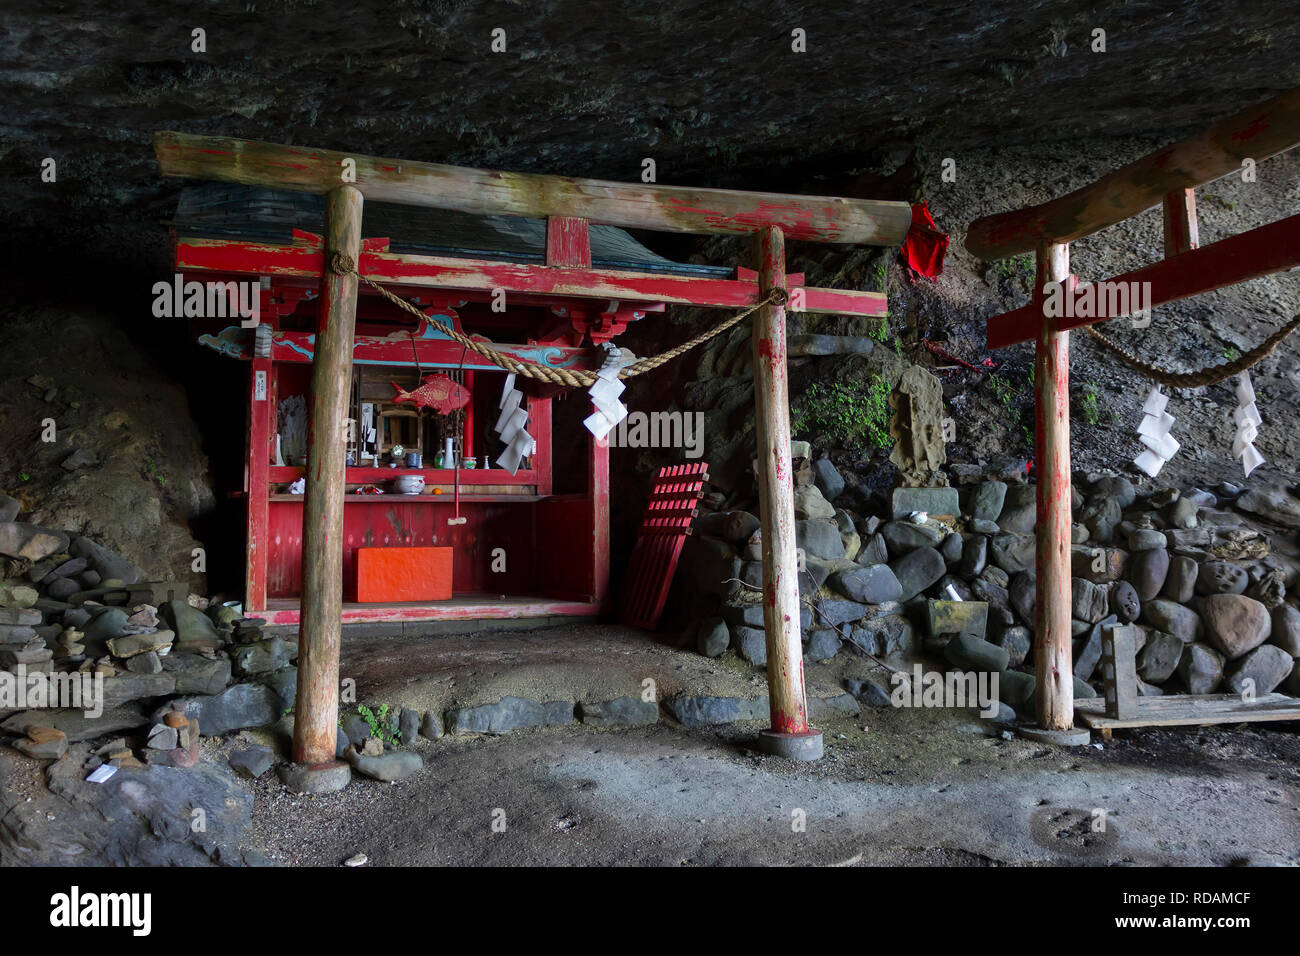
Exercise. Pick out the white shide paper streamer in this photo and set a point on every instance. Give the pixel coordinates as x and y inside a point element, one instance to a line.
<point>1154,434</point>
<point>510,427</point>
<point>1248,421</point>
<point>606,390</point>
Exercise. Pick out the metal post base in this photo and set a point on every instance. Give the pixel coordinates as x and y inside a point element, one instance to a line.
<point>805,746</point>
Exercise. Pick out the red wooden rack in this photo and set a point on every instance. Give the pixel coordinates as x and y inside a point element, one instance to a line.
<point>668,517</point>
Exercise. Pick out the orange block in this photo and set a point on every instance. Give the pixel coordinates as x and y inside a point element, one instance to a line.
<point>403,574</point>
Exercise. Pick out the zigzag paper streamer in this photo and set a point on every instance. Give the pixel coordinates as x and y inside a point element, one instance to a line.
<point>510,427</point>
<point>1154,434</point>
<point>1248,421</point>
<point>605,391</point>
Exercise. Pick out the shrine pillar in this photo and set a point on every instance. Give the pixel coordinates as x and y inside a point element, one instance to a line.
<point>320,629</point>
<point>789,735</point>
<point>1054,664</point>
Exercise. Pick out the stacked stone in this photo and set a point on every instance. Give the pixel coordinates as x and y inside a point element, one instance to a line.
<point>859,576</point>
<point>70,605</point>
<point>1202,575</point>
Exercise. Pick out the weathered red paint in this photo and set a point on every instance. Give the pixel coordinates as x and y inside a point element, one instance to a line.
<point>597,503</point>
<point>260,430</point>
<point>1248,255</point>
<point>1052,607</point>
<point>1252,130</point>
<point>541,426</point>
<point>249,258</point>
<point>568,242</point>
<point>490,192</point>
<point>786,692</point>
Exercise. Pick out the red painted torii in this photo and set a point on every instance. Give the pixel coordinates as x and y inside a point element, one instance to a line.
<point>1166,177</point>
<point>567,205</point>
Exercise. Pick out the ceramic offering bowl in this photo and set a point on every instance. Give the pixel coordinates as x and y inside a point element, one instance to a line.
<point>408,484</point>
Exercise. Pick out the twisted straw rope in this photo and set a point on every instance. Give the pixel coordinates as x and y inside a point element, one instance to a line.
<point>1206,376</point>
<point>342,264</point>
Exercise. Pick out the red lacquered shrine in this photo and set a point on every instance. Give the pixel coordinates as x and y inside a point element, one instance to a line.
<point>538,265</point>
<point>534,542</point>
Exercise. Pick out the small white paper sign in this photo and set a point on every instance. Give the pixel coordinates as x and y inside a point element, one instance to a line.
<point>605,391</point>
<point>1251,459</point>
<point>598,424</point>
<point>1166,446</point>
<point>101,773</point>
<point>521,446</point>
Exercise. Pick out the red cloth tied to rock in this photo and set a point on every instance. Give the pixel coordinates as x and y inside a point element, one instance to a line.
<point>924,245</point>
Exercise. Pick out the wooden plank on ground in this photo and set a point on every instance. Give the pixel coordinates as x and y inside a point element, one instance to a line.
<point>1183,710</point>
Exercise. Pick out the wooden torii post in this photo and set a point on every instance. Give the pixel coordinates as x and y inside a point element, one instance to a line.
<point>568,205</point>
<point>789,735</point>
<point>1167,177</point>
<point>321,624</point>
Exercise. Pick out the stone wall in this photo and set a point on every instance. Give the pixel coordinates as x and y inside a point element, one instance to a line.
<point>1204,576</point>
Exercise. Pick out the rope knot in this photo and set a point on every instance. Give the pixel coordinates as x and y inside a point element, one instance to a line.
<point>779,296</point>
<point>342,264</point>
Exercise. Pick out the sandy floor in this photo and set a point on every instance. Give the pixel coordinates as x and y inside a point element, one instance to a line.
<point>896,787</point>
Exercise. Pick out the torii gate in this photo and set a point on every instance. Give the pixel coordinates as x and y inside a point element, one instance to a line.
<point>568,205</point>
<point>1166,177</point>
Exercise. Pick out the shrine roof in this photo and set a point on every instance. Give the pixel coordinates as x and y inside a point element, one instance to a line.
<point>258,214</point>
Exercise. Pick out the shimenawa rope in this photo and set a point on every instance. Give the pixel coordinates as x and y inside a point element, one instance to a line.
<point>342,264</point>
<point>1206,376</point>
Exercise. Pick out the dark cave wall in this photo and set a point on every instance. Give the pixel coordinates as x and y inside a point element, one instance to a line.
<point>112,296</point>
<point>715,95</point>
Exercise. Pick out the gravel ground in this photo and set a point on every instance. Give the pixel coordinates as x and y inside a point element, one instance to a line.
<point>900,787</point>
<point>896,787</point>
